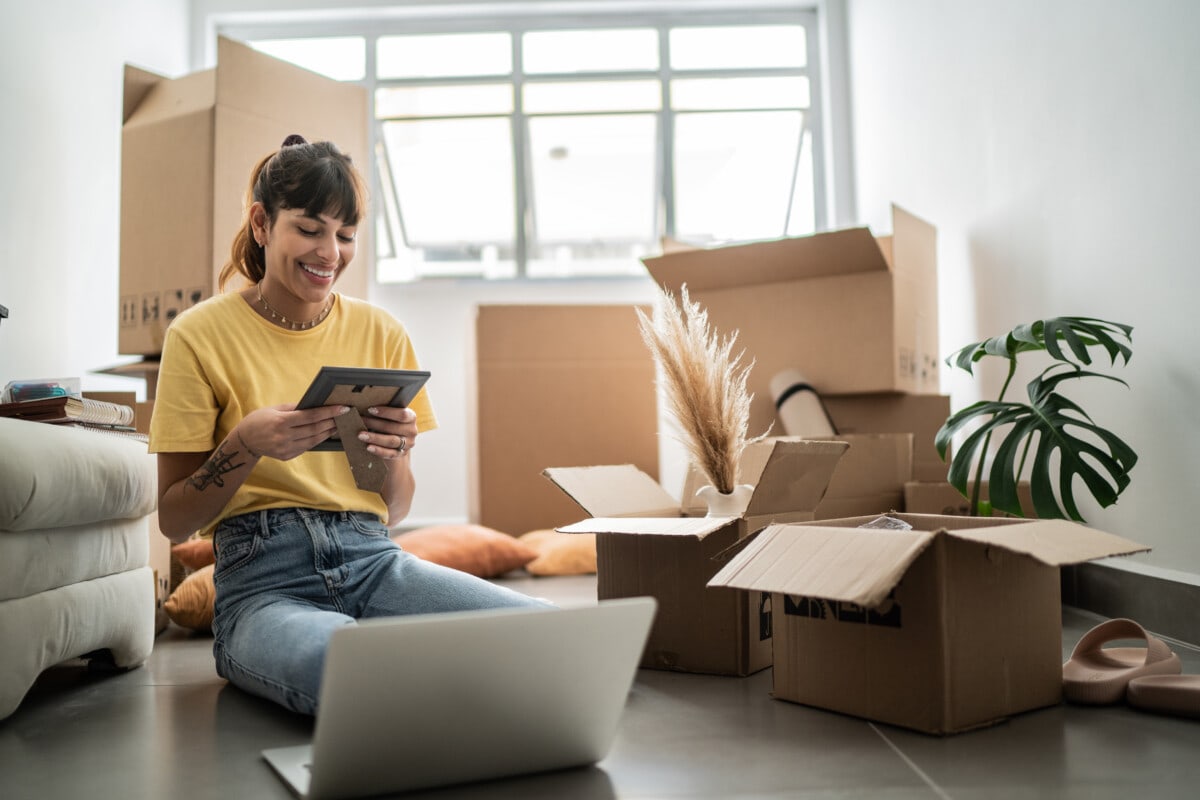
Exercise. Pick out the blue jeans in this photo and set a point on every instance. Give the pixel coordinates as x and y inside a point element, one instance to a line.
<point>287,578</point>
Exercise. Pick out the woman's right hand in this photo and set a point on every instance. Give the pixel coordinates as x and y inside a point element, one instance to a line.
<point>283,433</point>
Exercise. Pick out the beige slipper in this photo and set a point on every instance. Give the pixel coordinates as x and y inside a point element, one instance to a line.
<point>1166,694</point>
<point>1097,675</point>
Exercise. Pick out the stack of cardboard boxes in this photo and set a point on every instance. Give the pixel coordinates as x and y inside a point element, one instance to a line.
<point>941,624</point>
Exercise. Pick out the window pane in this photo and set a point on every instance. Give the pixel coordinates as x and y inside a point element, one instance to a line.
<point>444,55</point>
<point>341,58</point>
<point>454,183</point>
<point>444,101</point>
<point>697,94</point>
<point>738,46</point>
<point>543,98</point>
<point>803,217</point>
<point>733,174</point>
<point>593,193</point>
<point>590,50</point>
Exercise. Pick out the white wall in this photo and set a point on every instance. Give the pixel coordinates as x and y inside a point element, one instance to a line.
<point>1054,145</point>
<point>61,66</point>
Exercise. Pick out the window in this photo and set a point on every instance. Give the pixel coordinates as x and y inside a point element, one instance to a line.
<point>525,147</point>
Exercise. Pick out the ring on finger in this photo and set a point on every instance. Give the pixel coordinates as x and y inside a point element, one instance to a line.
<point>403,448</point>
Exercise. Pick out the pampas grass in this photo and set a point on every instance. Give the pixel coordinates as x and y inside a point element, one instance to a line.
<point>704,384</point>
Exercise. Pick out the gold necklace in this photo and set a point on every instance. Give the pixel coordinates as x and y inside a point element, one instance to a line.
<point>293,324</point>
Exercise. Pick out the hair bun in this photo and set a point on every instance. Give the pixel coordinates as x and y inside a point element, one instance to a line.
<point>294,139</point>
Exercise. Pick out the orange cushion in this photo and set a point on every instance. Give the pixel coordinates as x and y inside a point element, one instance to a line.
<point>478,550</point>
<point>561,553</point>
<point>191,604</point>
<point>194,553</point>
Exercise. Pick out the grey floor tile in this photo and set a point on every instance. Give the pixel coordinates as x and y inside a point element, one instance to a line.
<point>173,729</point>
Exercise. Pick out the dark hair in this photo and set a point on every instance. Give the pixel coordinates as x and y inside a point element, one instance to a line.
<point>313,176</point>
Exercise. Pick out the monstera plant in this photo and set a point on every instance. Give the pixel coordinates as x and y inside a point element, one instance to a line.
<point>1047,425</point>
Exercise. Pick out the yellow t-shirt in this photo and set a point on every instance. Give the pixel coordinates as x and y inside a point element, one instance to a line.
<point>221,360</point>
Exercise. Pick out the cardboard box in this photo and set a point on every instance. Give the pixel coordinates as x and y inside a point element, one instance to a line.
<point>942,498</point>
<point>946,627</point>
<point>922,415</point>
<point>188,146</point>
<point>556,384</point>
<point>852,312</point>
<point>647,545</point>
<point>145,369</point>
<point>868,479</point>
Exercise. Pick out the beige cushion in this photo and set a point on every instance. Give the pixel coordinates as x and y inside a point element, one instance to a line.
<point>561,553</point>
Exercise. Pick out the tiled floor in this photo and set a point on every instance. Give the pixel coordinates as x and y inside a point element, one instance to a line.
<point>172,729</point>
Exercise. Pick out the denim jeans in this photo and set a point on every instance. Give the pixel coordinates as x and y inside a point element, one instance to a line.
<point>287,578</point>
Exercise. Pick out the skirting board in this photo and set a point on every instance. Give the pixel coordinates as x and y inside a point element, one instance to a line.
<point>1160,600</point>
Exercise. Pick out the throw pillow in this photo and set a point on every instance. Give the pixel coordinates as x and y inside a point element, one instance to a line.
<point>191,604</point>
<point>194,553</point>
<point>561,553</point>
<point>478,550</point>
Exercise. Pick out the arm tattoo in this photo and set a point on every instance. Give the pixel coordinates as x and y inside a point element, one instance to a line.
<point>211,473</point>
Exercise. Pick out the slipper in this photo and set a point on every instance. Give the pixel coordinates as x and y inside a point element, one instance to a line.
<point>1166,694</point>
<point>1097,675</point>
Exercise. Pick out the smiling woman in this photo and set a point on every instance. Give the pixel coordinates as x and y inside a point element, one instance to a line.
<point>301,549</point>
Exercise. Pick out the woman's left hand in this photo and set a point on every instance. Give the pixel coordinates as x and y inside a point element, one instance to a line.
<point>391,432</point>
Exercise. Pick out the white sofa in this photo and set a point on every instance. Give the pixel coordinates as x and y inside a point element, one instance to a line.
<point>75,510</point>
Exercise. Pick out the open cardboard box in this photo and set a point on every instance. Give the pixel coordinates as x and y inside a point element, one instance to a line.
<point>922,415</point>
<point>940,497</point>
<point>188,145</point>
<point>646,544</point>
<point>807,302</point>
<point>868,479</point>
<point>949,626</point>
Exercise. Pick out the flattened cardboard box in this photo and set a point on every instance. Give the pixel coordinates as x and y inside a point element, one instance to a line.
<point>647,545</point>
<point>868,479</point>
<point>188,145</point>
<point>854,313</point>
<point>946,627</point>
<point>555,384</point>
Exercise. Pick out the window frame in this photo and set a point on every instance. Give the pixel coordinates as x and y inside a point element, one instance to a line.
<point>264,25</point>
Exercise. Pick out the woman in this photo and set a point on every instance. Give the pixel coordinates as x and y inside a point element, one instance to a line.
<point>300,550</point>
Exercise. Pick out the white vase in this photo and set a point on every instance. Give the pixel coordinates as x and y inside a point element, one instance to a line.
<point>720,504</point>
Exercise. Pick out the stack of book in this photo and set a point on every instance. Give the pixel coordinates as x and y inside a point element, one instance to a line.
<point>72,410</point>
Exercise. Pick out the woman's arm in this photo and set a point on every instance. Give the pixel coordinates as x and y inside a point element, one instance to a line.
<point>194,487</point>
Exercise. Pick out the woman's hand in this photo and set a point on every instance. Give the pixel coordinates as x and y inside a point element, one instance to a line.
<point>283,433</point>
<point>391,432</point>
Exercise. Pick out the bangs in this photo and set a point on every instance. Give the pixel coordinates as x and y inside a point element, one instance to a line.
<point>329,188</point>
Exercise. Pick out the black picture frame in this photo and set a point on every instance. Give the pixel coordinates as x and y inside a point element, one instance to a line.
<point>355,382</point>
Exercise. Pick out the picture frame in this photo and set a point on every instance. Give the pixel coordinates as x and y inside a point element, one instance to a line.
<point>361,388</point>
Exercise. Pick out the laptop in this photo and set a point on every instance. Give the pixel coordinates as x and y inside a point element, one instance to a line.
<point>433,700</point>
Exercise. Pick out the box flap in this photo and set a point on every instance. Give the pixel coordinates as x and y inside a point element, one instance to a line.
<point>614,491</point>
<point>789,474</point>
<point>1053,542</point>
<point>251,81</point>
<point>167,99</point>
<point>858,565</point>
<point>694,527</point>
<point>832,253</point>
<point>138,82</point>
<point>793,476</point>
